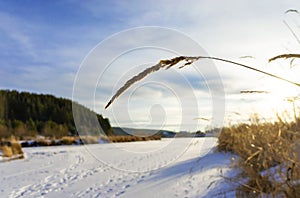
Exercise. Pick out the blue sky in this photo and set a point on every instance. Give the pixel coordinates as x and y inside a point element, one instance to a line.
<point>43,43</point>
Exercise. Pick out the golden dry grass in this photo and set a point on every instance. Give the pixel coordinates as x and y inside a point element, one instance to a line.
<point>16,148</point>
<point>7,151</point>
<point>12,149</point>
<point>68,140</point>
<point>90,139</point>
<point>71,140</point>
<point>268,156</point>
<point>132,138</point>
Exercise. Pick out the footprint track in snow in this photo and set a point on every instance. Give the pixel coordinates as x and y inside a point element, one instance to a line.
<point>59,181</point>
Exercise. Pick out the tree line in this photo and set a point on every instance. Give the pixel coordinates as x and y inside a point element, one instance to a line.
<point>27,114</point>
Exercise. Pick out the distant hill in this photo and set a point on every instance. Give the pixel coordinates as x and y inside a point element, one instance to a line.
<point>162,133</point>
<point>28,114</point>
<point>142,132</point>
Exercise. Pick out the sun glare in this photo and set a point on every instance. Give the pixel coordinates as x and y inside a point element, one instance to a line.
<point>281,90</point>
<point>278,101</point>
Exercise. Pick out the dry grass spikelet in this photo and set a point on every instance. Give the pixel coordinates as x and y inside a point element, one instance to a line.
<point>188,60</point>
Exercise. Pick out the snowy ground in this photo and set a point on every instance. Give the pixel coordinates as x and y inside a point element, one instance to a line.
<point>181,167</point>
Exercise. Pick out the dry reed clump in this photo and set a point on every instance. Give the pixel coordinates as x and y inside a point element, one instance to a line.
<point>42,142</point>
<point>12,149</point>
<point>67,140</point>
<point>89,139</point>
<point>269,157</point>
<point>74,140</point>
<point>131,138</point>
<point>17,148</point>
<point>7,151</point>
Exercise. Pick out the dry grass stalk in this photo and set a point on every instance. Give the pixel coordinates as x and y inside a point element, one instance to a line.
<point>254,91</point>
<point>286,56</point>
<point>288,26</point>
<point>253,155</point>
<point>162,64</point>
<point>292,31</point>
<point>168,63</point>
<point>202,118</point>
<point>291,10</point>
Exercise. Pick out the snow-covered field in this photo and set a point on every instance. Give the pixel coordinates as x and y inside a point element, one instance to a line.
<point>180,167</point>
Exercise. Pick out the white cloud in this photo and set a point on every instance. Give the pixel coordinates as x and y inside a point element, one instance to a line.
<point>18,31</point>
